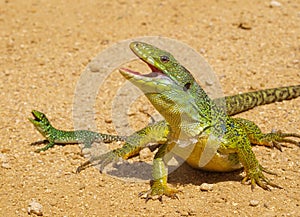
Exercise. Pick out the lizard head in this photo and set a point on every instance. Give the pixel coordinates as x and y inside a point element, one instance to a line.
<point>163,62</point>
<point>164,65</point>
<point>165,69</point>
<point>168,93</point>
<point>40,122</point>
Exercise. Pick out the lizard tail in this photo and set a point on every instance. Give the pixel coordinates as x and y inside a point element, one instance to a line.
<point>246,101</point>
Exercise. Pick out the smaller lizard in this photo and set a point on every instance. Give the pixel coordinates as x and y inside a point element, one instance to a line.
<point>54,136</point>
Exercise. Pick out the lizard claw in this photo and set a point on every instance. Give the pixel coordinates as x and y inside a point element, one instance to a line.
<point>44,148</point>
<point>278,137</point>
<point>258,178</point>
<point>278,145</point>
<point>157,191</point>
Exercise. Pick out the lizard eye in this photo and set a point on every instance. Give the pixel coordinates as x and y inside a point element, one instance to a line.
<point>164,59</point>
<point>187,86</point>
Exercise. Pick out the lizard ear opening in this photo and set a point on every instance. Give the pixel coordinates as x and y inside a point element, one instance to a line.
<point>187,86</point>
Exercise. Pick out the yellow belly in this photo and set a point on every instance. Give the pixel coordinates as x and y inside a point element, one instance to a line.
<point>206,155</point>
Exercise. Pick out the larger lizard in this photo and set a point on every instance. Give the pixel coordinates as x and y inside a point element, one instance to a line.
<point>175,94</point>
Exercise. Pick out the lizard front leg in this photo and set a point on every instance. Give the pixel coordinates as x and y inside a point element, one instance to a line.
<point>155,133</point>
<point>159,184</point>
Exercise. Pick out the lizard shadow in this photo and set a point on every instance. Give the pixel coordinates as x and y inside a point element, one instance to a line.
<point>180,174</point>
<point>188,175</point>
<point>40,142</point>
<point>127,171</point>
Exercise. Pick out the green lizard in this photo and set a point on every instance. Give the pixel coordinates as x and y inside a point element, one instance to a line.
<point>175,94</point>
<point>55,136</point>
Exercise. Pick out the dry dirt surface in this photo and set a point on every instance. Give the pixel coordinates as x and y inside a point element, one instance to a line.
<point>46,45</point>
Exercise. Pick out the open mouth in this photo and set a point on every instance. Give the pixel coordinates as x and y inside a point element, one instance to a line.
<point>36,118</point>
<point>149,75</point>
<point>155,72</point>
<point>143,56</point>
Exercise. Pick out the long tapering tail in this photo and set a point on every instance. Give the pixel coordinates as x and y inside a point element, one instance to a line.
<point>245,101</point>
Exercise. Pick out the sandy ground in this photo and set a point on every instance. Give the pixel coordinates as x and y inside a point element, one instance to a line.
<point>46,45</point>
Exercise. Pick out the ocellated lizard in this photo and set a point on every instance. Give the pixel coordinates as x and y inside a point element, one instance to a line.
<point>193,121</point>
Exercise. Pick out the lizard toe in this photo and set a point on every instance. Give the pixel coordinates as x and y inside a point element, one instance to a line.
<point>258,178</point>
<point>158,191</point>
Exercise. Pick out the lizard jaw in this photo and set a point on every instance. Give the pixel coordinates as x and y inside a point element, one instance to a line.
<point>36,116</point>
<point>128,74</point>
<point>140,49</point>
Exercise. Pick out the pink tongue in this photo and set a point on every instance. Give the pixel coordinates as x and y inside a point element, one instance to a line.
<point>155,72</point>
<point>153,69</point>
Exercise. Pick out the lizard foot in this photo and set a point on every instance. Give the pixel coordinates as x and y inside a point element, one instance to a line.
<point>102,160</point>
<point>39,142</point>
<point>49,145</point>
<point>277,138</point>
<point>258,178</point>
<point>158,190</point>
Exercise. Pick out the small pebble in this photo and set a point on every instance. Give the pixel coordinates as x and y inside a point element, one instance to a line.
<point>144,109</point>
<point>35,208</point>
<point>245,26</point>
<point>94,66</point>
<point>209,82</point>
<point>206,187</point>
<point>275,4</point>
<point>6,165</point>
<point>202,51</point>
<point>5,150</point>
<point>235,204</point>
<point>130,113</point>
<point>254,202</point>
<point>146,154</point>
<point>108,120</point>
<point>2,157</point>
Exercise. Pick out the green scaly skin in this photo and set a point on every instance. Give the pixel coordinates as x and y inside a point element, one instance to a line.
<point>54,136</point>
<point>175,94</point>
<point>243,102</point>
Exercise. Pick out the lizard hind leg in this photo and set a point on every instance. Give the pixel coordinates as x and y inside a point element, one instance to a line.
<point>276,139</point>
<point>273,139</point>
